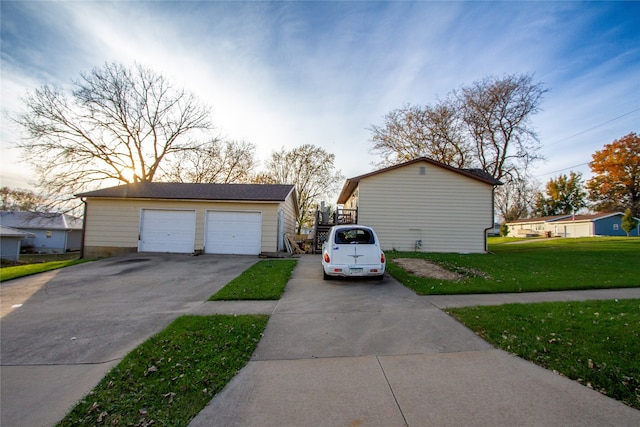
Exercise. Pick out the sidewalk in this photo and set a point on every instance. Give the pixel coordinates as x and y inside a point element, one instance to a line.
<point>450,301</point>
<point>344,353</point>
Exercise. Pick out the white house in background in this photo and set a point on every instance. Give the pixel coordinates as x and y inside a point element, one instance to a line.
<point>423,205</point>
<point>10,243</point>
<point>599,224</point>
<point>531,227</point>
<point>52,232</point>
<point>243,219</point>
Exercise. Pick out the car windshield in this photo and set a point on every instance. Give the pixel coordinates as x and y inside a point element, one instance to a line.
<point>354,235</point>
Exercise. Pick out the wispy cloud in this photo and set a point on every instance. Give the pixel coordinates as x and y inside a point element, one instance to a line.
<point>287,73</point>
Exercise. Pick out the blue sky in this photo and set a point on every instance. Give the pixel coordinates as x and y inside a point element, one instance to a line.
<point>289,73</point>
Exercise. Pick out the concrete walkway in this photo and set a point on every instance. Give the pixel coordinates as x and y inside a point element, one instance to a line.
<point>344,353</point>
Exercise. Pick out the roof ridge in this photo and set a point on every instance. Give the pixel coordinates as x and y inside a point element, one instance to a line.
<point>196,191</point>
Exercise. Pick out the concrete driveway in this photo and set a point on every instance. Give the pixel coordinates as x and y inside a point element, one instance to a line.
<point>334,353</point>
<point>373,353</point>
<point>61,331</point>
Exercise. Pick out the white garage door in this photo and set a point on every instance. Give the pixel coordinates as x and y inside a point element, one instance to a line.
<point>167,231</point>
<point>233,233</point>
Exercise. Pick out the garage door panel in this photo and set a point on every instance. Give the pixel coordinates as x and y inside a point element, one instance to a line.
<point>167,231</point>
<point>233,233</point>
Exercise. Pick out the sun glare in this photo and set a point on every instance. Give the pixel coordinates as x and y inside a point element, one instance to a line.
<point>128,174</point>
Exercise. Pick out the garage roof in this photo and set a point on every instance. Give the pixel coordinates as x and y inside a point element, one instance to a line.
<point>185,191</point>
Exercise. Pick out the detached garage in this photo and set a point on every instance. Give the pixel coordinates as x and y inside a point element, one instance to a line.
<point>245,219</point>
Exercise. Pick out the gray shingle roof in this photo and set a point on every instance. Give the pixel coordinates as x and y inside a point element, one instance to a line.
<point>39,221</point>
<point>12,232</point>
<point>485,176</point>
<point>186,191</point>
<point>566,218</point>
<point>550,218</point>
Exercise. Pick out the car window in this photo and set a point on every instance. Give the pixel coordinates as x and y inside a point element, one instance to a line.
<point>354,235</point>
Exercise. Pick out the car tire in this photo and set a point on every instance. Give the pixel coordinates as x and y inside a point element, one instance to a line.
<point>325,276</point>
<point>379,278</point>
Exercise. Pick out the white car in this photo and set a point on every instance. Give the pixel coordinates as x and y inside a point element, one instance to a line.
<point>352,251</point>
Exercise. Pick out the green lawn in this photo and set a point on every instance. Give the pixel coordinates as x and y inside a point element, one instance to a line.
<point>265,280</point>
<point>596,343</point>
<point>14,272</point>
<point>168,379</point>
<point>538,265</point>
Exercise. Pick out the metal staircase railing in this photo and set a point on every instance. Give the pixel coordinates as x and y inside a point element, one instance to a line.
<point>324,221</point>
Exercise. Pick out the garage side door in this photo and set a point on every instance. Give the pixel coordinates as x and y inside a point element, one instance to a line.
<point>233,233</point>
<point>167,231</point>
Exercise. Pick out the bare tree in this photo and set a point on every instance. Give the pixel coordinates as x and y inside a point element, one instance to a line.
<point>216,162</point>
<point>310,169</point>
<point>117,125</point>
<point>513,199</point>
<point>496,113</point>
<point>422,131</point>
<point>485,125</point>
<point>21,200</point>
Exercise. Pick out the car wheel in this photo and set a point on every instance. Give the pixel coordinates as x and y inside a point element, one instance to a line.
<point>325,276</point>
<point>379,278</point>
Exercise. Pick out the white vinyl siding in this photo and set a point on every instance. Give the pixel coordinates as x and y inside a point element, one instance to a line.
<point>447,211</point>
<point>576,229</point>
<point>352,201</point>
<point>288,207</point>
<point>115,223</point>
<point>232,232</point>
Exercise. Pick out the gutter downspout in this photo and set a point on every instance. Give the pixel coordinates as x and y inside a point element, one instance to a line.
<point>84,227</point>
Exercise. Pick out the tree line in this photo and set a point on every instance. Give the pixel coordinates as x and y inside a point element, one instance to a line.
<point>119,125</point>
<point>615,185</point>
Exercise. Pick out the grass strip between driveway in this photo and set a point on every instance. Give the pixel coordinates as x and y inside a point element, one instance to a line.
<point>169,378</point>
<point>15,272</point>
<point>596,343</point>
<point>265,280</point>
<point>534,266</point>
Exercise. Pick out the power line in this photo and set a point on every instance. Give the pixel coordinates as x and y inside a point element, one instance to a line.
<point>592,128</point>
<point>581,133</point>
<point>564,169</point>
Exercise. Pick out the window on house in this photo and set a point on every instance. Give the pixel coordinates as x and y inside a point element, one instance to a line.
<point>615,226</point>
<point>48,234</point>
<point>423,170</point>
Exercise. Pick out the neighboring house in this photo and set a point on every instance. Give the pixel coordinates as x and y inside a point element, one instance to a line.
<point>10,243</point>
<point>53,233</point>
<point>531,227</point>
<point>600,224</point>
<point>424,205</point>
<point>246,219</point>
